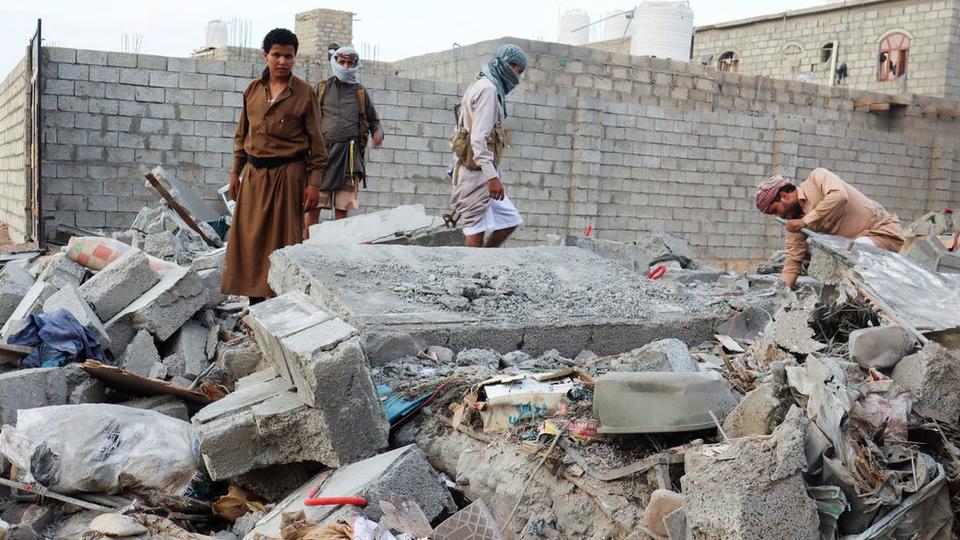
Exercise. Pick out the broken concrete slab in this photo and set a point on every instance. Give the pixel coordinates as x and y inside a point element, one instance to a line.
<point>69,299</point>
<point>932,376</point>
<point>741,488</point>
<point>406,222</point>
<point>161,310</point>
<point>319,354</point>
<point>163,245</point>
<point>210,260</point>
<point>763,408</point>
<point>276,482</point>
<point>239,358</point>
<point>212,280</point>
<point>267,423</point>
<point>403,473</point>
<point>31,388</point>
<point>923,299</point>
<point>31,304</point>
<point>141,355</point>
<point>61,271</point>
<point>789,330</point>
<point>880,347</point>
<point>190,344</point>
<point>660,402</point>
<point>649,248</point>
<point>175,365</point>
<point>662,355</point>
<point>119,284</point>
<point>15,281</point>
<point>198,210</point>
<point>531,299</point>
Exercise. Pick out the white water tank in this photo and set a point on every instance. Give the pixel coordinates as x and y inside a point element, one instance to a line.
<point>218,32</point>
<point>662,29</point>
<point>574,27</point>
<point>617,25</point>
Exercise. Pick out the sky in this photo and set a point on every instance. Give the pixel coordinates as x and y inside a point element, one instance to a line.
<point>399,29</point>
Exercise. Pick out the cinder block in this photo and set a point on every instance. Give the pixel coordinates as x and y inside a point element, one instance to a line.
<point>69,299</point>
<point>119,284</point>
<point>140,355</point>
<point>31,388</point>
<point>15,282</point>
<point>31,304</point>
<point>190,343</point>
<point>161,310</point>
<point>335,408</point>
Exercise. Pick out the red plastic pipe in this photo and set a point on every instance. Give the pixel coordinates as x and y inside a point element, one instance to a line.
<point>313,500</point>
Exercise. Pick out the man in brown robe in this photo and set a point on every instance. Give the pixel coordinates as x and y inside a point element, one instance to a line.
<point>280,157</point>
<point>824,203</point>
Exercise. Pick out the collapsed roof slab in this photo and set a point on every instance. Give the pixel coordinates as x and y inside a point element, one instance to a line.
<point>405,298</point>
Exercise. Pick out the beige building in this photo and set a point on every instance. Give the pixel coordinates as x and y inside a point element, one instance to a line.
<point>889,46</point>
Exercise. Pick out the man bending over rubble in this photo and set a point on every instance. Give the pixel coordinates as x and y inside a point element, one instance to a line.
<point>478,194</point>
<point>280,156</point>
<point>826,204</point>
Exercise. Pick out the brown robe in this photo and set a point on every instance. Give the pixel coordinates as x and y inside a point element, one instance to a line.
<point>832,206</point>
<point>269,211</point>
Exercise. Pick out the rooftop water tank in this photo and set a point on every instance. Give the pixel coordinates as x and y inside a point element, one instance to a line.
<point>574,27</point>
<point>662,29</point>
<point>218,33</point>
<point>617,25</point>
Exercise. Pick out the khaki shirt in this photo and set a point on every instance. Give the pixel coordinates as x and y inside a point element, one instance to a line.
<point>832,206</point>
<point>287,127</point>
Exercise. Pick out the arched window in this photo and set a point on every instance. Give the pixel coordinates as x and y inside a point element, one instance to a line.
<point>894,50</point>
<point>826,52</point>
<point>729,61</point>
<point>791,59</point>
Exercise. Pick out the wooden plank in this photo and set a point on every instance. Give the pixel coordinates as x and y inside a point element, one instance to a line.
<point>126,381</point>
<point>178,208</point>
<point>12,354</point>
<point>877,107</point>
<point>931,110</point>
<point>862,102</point>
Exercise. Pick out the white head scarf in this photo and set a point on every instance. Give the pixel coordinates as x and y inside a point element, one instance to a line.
<point>343,74</point>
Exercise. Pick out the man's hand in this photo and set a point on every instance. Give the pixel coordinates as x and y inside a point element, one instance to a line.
<point>794,225</point>
<point>377,138</point>
<point>495,186</point>
<point>311,199</point>
<point>234,190</point>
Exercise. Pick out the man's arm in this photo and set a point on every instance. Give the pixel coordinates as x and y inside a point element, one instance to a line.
<point>834,196</point>
<point>239,152</point>
<point>373,121</point>
<point>317,160</point>
<point>795,249</point>
<point>484,119</point>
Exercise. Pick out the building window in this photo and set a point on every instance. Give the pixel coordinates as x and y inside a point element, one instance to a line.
<point>729,61</point>
<point>894,50</point>
<point>826,52</point>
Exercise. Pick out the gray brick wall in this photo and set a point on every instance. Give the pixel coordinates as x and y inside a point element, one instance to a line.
<point>14,163</point>
<point>676,148</point>
<point>933,25</point>
<point>318,28</point>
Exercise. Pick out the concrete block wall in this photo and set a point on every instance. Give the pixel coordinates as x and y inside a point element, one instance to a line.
<point>859,27</point>
<point>318,28</point>
<point>14,151</point>
<point>680,149</point>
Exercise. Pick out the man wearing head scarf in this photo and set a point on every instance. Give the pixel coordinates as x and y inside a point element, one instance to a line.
<point>479,196</point>
<point>347,118</point>
<point>826,204</point>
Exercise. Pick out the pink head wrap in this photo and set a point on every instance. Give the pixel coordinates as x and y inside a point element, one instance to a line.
<point>767,192</point>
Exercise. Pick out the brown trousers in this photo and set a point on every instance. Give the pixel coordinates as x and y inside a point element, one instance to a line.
<point>268,216</point>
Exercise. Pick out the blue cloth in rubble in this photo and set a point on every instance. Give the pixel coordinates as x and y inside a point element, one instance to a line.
<point>57,338</point>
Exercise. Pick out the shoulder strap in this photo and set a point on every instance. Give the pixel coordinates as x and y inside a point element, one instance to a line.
<point>364,125</point>
<point>322,91</point>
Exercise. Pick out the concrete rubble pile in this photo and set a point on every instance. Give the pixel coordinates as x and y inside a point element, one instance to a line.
<point>581,389</point>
